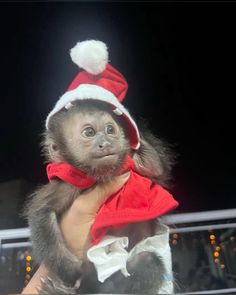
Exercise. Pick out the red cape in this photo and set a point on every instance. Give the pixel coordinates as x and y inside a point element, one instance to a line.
<point>138,200</point>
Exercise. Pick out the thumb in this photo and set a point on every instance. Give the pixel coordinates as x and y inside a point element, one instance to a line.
<point>93,199</point>
<point>114,185</point>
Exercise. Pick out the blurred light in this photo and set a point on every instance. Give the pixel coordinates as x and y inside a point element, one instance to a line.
<point>175,236</point>
<point>232,238</point>
<point>222,266</point>
<point>218,248</point>
<point>28,268</point>
<point>28,258</point>
<point>216,254</point>
<point>216,260</point>
<point>174,242</point>
<point>212,237</point>
<point>27,277</point>
<point>213,242</point>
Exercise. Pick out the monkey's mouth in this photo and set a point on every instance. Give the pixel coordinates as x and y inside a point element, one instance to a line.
<point>104,156</point>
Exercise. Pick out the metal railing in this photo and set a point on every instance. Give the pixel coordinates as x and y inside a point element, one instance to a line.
<point>178,224</point>
<point>171,219</point>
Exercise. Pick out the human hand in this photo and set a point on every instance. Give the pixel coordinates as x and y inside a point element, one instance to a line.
<point>77,221</point>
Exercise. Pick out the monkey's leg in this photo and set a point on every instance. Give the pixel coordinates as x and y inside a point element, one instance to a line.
<point>146,276</point>
<point>147,273</point>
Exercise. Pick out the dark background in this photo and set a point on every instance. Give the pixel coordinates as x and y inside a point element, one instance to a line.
<point>179,60</point>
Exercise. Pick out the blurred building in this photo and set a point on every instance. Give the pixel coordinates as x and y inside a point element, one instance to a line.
<point>12,196</point>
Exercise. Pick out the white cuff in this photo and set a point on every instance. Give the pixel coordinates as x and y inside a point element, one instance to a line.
<point>109,256</point>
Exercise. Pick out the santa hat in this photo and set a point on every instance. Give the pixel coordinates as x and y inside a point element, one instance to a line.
<point>99,81</point>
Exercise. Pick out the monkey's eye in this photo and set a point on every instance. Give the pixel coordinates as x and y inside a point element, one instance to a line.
<point>88,132</point>
<point>110,129</point>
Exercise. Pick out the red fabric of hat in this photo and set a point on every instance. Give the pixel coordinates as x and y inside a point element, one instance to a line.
<point>110,79</point>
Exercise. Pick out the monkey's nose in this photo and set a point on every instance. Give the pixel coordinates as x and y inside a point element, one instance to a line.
<point>104,144</point>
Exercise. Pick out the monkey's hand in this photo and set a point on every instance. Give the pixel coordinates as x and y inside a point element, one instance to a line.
<point>80,217</point>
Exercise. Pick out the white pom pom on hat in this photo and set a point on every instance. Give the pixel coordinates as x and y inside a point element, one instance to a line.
<point>90,55</point>
<point>98,80</point>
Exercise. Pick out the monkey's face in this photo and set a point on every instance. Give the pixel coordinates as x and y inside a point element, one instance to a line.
<point>95,142</point>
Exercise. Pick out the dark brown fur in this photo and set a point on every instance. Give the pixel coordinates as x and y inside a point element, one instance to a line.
<point>48,203</point>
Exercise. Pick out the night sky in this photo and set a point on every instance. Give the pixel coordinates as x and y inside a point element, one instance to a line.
<point>179,60</point>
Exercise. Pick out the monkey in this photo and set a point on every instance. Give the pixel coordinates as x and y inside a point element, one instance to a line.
<point>91,138</point>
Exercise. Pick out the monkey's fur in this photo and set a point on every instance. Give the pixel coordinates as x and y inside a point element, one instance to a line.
<point>63,143</point>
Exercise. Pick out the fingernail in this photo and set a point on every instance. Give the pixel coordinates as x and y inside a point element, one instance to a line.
<point>38,289</point>
<point>42,280</point>
<point>77,283</point>
<point>49,278</point>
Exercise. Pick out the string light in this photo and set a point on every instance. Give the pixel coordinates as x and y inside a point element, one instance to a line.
<point>216,254</point>
<point>175,236</point>
<point>222,266</point>
<point>174,242</point>
<point>28,267</point>
<point>28,258</point>
<point>217,248</point>
<point>175,239</point>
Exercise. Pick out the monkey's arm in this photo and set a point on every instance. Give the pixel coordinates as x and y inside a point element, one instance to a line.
<point>48,243</point>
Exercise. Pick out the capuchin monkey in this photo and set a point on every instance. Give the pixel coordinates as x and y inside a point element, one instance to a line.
<point>90,137</point>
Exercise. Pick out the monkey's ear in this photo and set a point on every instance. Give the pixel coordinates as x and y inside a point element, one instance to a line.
<point>147,160</point>
<point>54,152</point>
<point>154,159</point>
<point>51,150</point>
